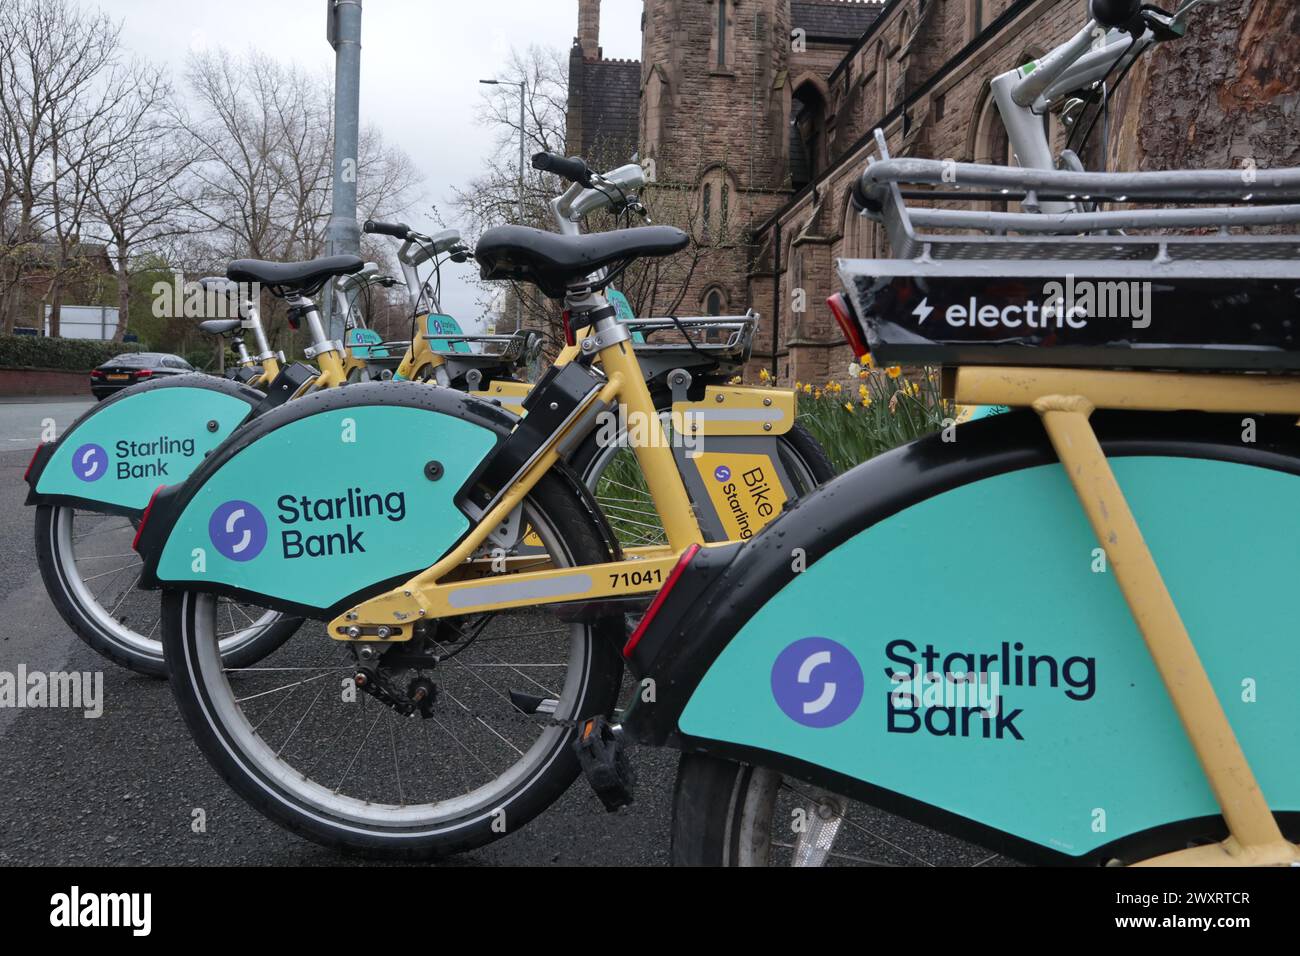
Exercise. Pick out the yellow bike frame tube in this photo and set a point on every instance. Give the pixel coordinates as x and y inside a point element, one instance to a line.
<point>1226,769</point>
<point>1139,391</point>
<point>426,596</point>
<point>332,372</point>
<point>658,465</point>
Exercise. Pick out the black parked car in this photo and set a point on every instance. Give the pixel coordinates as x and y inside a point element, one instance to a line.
<point>125,370</point>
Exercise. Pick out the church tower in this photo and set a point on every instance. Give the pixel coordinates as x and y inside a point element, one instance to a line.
<point>713,130</point>
<point>711,87</point>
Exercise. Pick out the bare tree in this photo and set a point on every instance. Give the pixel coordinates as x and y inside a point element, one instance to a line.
<point>59,75</point>
<point>493,198</point>
<point>139,183</point>
<point>262,136</point>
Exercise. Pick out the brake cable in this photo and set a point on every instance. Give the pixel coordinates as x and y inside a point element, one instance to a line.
<point>1109,91</point>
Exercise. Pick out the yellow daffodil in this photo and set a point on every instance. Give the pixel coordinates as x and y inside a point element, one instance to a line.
<point>764,375</point>
<point>894,371</point>
<point>848,407</point>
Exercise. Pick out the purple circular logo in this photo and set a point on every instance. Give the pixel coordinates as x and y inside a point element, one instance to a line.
<point>722,473</point>
<point>817,682</point>
<point>90,462</point>
<point>238,530</point>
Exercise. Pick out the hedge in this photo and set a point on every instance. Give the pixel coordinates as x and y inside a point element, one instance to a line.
<point>70,355</point>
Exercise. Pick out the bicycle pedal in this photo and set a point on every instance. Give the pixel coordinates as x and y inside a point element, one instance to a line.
<point>602,754</point>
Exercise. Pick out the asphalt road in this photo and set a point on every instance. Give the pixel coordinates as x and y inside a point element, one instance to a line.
<point>22,421</point>
<point>121,789</point>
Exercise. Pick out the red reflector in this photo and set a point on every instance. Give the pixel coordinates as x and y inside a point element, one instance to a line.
<point>144,373</point>
<point>844,318</point>
<point>144,518</point>
<point>97,373</point>
<point>28,470</point>
<point>569,337</point>
<point>658,602</point>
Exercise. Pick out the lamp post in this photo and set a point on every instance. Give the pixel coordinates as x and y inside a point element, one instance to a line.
<point>523,96</point>
<point>343,30</point>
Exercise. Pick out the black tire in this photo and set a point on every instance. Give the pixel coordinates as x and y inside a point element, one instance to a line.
<point>524,798</point>
<point>705,799</point>
<point>118,642</point>
<point>800,441</point>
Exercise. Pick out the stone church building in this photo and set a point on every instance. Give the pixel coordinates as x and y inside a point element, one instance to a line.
<point>757,115</point>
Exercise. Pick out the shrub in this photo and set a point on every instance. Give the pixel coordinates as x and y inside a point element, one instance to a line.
<point>69,355</point>
<point>881,410</point>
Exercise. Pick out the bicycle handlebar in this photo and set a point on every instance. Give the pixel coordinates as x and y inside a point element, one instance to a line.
<point>398,230</point>
<point>574,169</point>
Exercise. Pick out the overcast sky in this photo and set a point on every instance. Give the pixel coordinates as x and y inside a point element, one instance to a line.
<point>421,61</point>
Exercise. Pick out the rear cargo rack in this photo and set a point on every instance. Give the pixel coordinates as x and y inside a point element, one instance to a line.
<point>1191,284</point>
<point>727,338</point>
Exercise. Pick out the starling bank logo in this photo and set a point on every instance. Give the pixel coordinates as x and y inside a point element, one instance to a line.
<point>817,682</point>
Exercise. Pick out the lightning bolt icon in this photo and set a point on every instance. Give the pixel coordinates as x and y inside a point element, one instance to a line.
<point>923,311</point>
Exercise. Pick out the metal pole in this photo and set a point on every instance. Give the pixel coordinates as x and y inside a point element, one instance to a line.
<point>523,93</point>
<point>343,232</point>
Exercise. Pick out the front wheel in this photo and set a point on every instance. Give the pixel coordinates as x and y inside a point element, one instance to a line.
<point>91,570</point>
<point>735,814</point>
<point>322,738</point>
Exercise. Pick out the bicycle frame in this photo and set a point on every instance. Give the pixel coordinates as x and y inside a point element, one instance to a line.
<point>432,595</point>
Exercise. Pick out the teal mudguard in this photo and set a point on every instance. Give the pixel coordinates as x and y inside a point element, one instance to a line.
<point>832,647</point>
<point>115,456</point>
<point>326,500</point>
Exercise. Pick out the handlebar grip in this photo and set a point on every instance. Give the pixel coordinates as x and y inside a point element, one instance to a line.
<point>1114,13</point>
<point>861,196</point>
<point>573,169</point>
<point>398,230</point>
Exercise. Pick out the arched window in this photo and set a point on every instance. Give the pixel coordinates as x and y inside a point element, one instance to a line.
<point>854,231</point>
<point>715,302</point>
<point>882,83</point>
<point>974,18</point>
<point>987,141</point>
<point>807,134</point>
<point>722,48</point>
<point>654,110</point>
<point>715,212</point>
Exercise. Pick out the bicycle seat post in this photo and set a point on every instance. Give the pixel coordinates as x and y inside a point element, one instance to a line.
<point>589,309</point>
<point>252,316</point>
<point>309,313</point>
